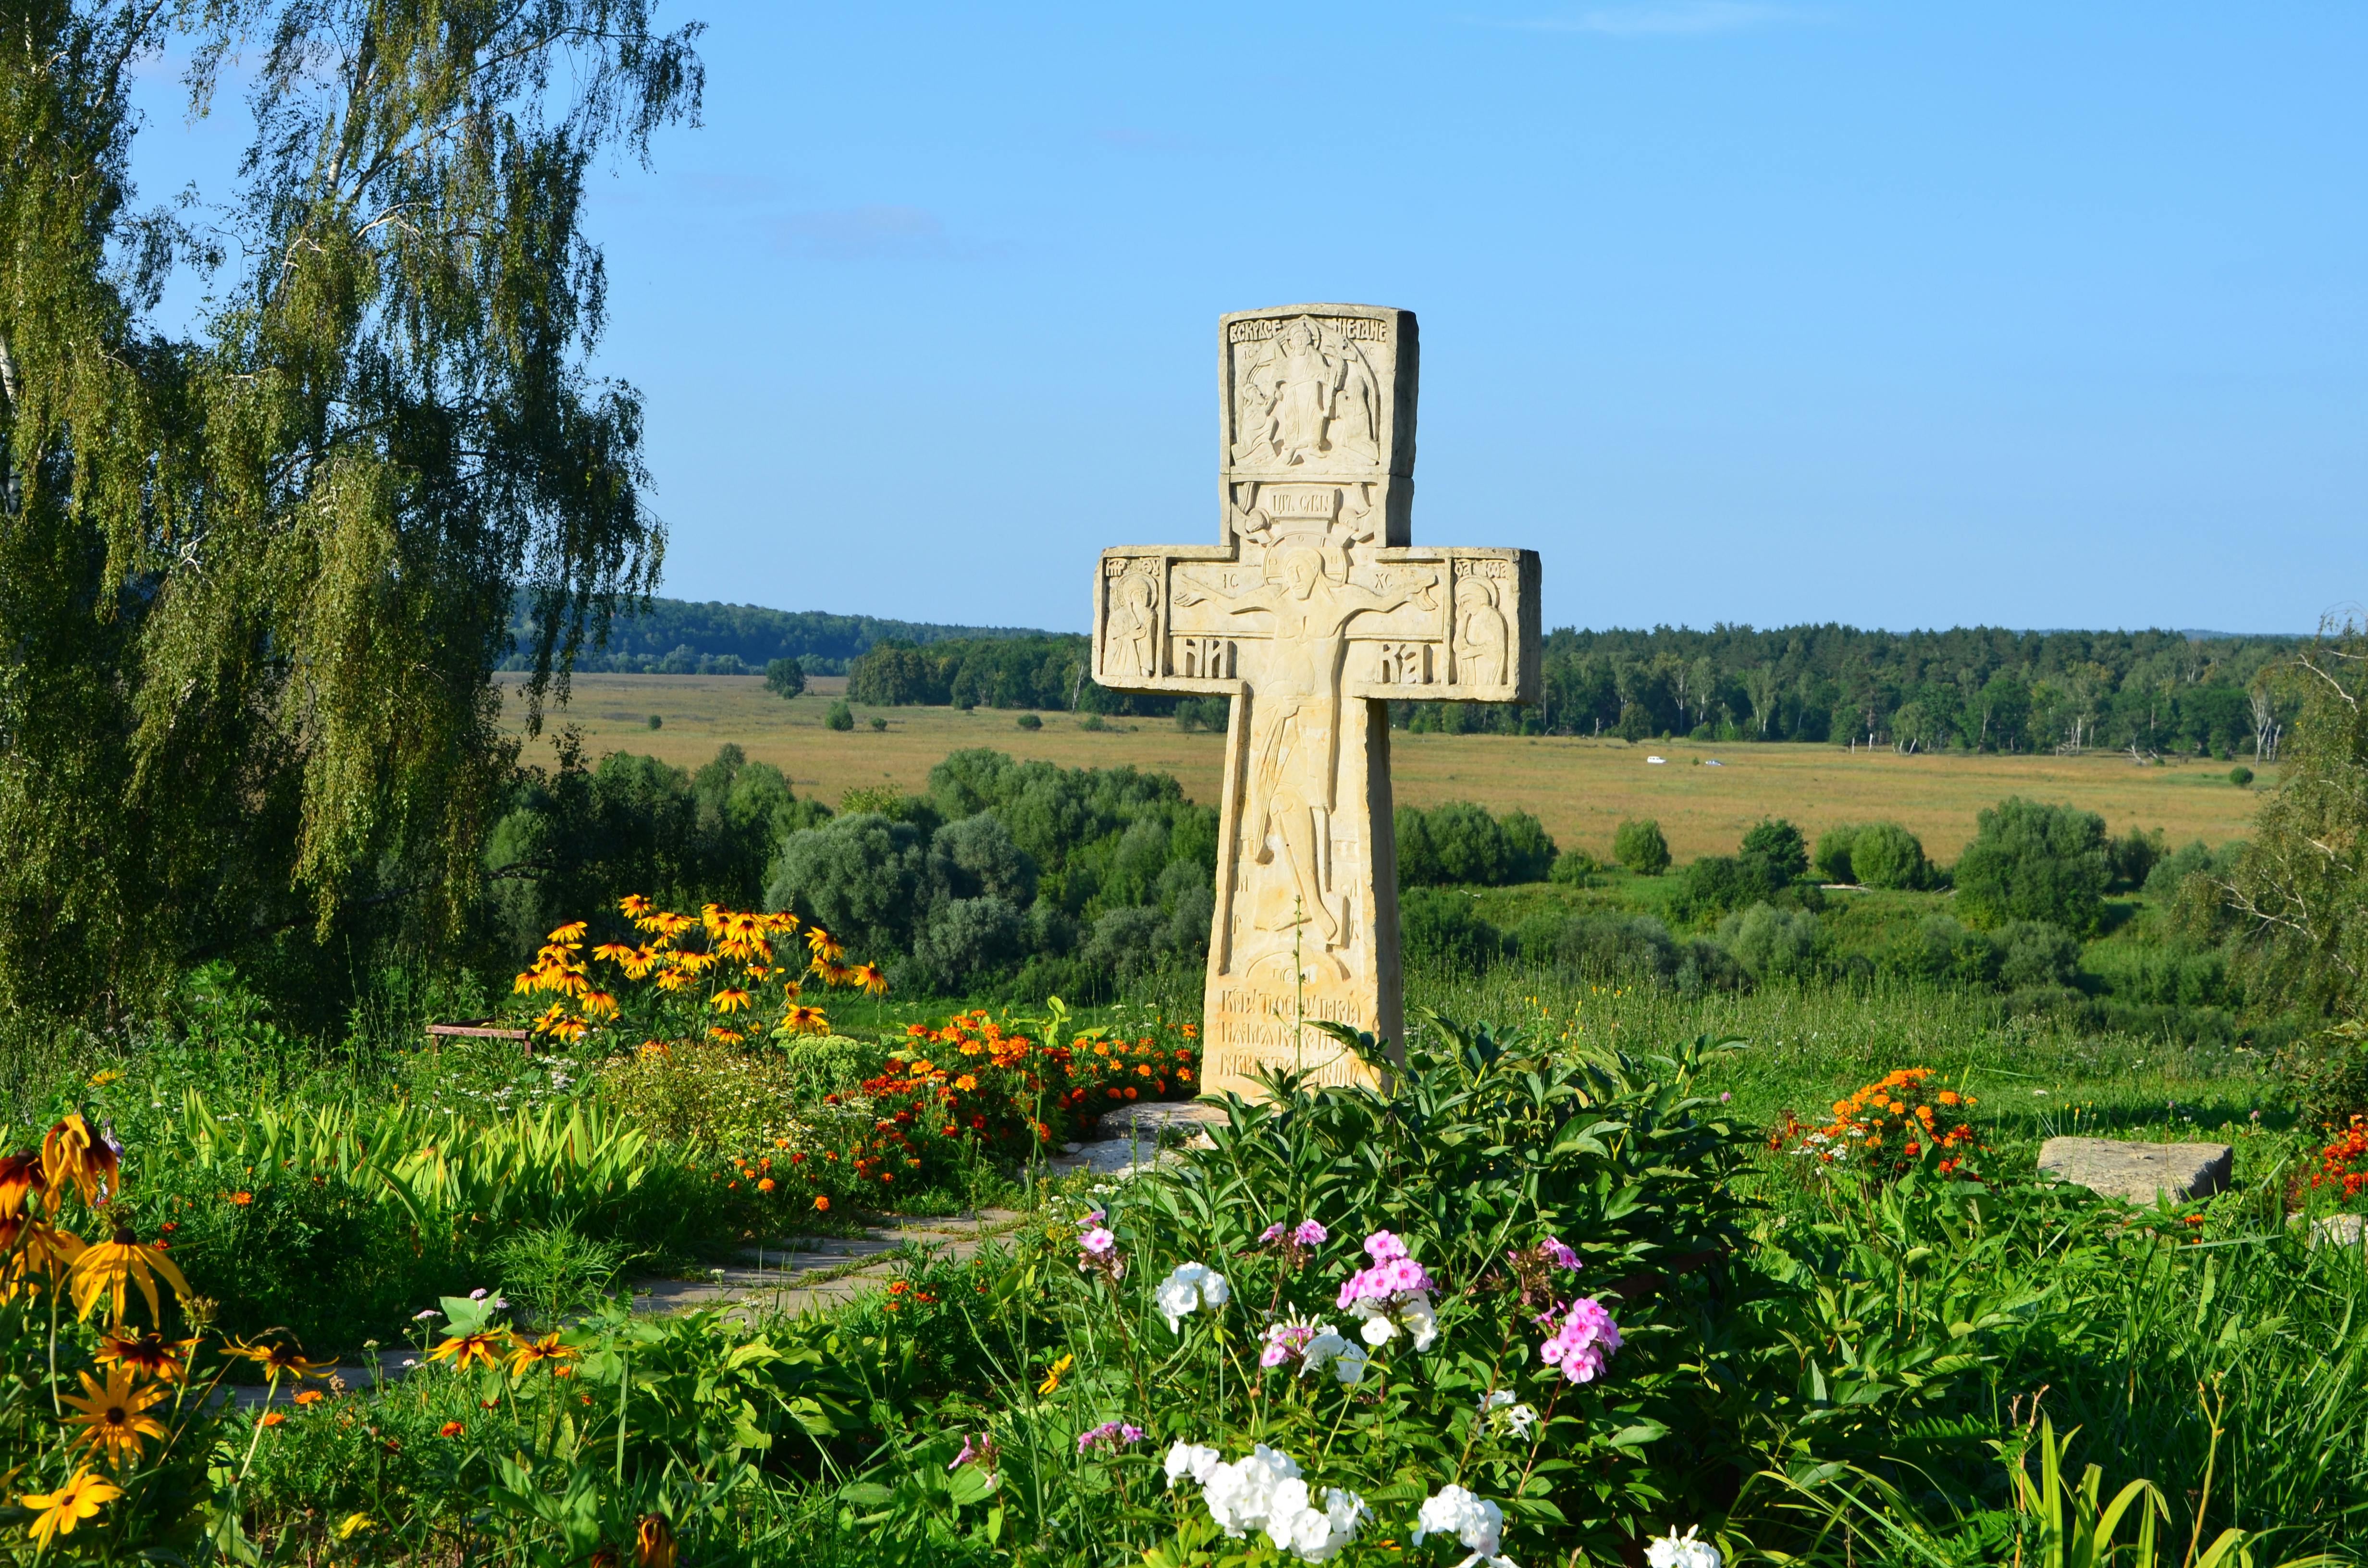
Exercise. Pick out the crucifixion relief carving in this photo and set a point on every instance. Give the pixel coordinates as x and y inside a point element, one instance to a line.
<point>1313,611</point>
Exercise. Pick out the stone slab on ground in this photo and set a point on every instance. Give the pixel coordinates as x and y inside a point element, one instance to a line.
<point>2337,1230</point>
<point>815,1272</point>
<point>1133,1135</point>
<point>2136,1173</point>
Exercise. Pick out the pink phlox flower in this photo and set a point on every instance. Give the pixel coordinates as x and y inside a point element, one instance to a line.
<point>1097,1242</point>
<point>1382,1247</point>
<point>1096,1217</point>
<point>1310,1233</point>
<point>1285,1342</point>
<point>1558,1252</point>
<point>1271,1234</point>
<point>1585,1340</point>
<point>1116,1434</point>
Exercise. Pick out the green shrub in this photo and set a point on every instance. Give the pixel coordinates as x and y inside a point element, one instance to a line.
<point>1638,846</point>
<point>1885,854</point>
<point>1197,713</point>
<point>1438,924</point>
<point>1772,943</point>
<point>2029,860</point>
<point>1574,868</point>
<point>1778,846</point>
<point>2241,775</point>
<point>1833,856</point>
<point>2036,953</point>
<point>784,677</point>
<point>2131,860</point>
<point>1459,844</point>
<point>840,717</point>
<point>1029,722</point>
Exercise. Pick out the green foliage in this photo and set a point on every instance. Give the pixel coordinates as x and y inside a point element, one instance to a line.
<point>1461,843</point>
<point>573,839</point>
<point>784,677</point>
<point>2298,895</point>
<point>2033,862</point>
<point>678,637</point>
<point>1195,713</point>
<point>1438,925</point>
<point>1638,846</point>
<point>1972,688</point>
<point>1038,670</point>
<point>1833,859</point>
<point>259,575</point>
<point>2130,859</point>
<point>2241,776</point>
<point>839,717</point>
<point>1055,881</point>
<point>1772,943</point>
<point>1777,844</point>
<point>1885,854</point>
<point>1574,868</point>
<point>1029,722</point>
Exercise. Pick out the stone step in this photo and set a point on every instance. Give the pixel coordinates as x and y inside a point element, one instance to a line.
<point>2136,1173</point>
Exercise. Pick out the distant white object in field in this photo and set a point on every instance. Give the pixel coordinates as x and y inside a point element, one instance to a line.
<point>1657,761</point>
<point>1713,762</point>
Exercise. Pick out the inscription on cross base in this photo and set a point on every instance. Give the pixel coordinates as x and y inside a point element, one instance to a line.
<point>1313,611</point>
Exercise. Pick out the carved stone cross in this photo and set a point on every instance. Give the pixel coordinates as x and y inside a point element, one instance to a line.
<point>1312,611</point>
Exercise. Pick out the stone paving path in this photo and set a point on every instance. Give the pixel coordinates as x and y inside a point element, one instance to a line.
<point>820,1272</point>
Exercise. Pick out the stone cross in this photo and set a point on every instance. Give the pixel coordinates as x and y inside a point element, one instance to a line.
<point>1313,611</point>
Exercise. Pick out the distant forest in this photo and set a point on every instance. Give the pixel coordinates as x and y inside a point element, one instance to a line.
<point>1982,688</point>
<point>677,637</point>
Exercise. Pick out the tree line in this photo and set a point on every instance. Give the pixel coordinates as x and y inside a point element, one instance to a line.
<point>677,637</point>
<point>1972,688</point>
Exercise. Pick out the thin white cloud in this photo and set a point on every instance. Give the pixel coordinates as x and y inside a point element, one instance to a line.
<point>1676,18</point>
<point>873,232</point>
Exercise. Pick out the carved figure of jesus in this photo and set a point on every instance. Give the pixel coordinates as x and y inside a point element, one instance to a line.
<point>1296,719</point>
<point>1312,613</point>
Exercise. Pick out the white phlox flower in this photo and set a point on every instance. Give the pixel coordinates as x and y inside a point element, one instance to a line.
<point>1190,1288</point>
<point>1673,1550</point>
<point>1499,1409</point>
<point>1265,1491</point>
<point>1470,1518</point>
<point>1327,1348</point>
<point>1191,1459</point>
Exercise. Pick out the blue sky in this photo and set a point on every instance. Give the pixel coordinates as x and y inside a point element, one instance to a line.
<point>1900,315</point>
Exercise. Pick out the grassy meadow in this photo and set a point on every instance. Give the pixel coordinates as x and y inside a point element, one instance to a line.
<point>1581,789</point>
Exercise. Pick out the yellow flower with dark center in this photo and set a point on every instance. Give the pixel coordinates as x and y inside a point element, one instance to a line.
<point>867,976</point>
<point>599,1004</point>
<point>614,953</point>
<point>653,1542</point>
<point>57,1512</point>
<point>1052,1379</point>
<point>20,1177</point>
<point>527,1353</point>
<point>281,1358</point>
<point>569,933</point>
<point>730,999</point>
<point>819,944</point>
<point>462,1349</point>
<point>150,1355</point>
<point>108,1269</point>
<point>114,1417</point>
<point>43,1248</point>
<point>799,1019</point>
<point>71,1151</point>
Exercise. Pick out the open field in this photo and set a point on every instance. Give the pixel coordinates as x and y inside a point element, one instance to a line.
<point>1579,789</point>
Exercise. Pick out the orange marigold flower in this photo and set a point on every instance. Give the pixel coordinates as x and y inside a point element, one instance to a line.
<point>450,1430</point>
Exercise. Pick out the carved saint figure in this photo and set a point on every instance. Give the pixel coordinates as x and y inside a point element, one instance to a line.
<point>1294,744</point>
<point>1479,633</point>
<point>1300,403</point>
<point>1128,625</point>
